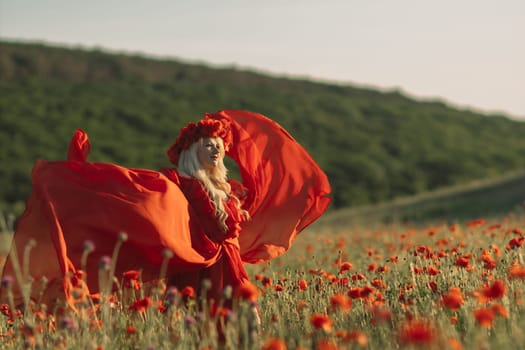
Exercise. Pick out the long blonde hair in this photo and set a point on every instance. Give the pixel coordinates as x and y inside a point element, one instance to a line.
<point>214,180</point>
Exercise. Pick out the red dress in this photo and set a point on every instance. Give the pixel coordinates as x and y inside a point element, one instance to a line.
<point>75,201</point>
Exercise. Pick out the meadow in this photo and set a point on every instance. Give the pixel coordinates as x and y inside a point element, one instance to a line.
<point>379,286</point>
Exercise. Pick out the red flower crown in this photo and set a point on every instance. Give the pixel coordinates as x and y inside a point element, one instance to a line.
<point>209,126</point>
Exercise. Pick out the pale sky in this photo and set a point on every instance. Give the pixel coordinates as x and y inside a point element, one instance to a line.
<point>469,53</point>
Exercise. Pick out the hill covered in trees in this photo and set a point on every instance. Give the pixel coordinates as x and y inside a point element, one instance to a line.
<point>373,145</point>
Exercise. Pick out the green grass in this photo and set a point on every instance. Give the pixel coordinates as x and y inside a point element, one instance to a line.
<point>488,198</point>
<point>300,286</point>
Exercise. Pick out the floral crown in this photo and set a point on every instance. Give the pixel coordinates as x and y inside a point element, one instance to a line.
<point>209,126</point>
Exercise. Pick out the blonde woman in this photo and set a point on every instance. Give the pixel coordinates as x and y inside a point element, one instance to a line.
<point>79,211</point>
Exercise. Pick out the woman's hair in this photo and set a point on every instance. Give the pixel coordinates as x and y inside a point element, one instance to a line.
<point>214,180</point>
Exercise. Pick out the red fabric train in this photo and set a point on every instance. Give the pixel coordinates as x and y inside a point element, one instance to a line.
<point>75,201</point>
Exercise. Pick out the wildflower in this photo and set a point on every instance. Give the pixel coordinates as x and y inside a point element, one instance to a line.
<point>358,277</point>
<point>189,321</point>
<point>432,270</point>
<point>188,292</point>
<point>302,305</point>
<point>453,299</point>
<point>7,281</point>
<point>476,223</point>
<point>500,310</point>
<point>340,302</point>
<point>517,271</point>
<point>122,236</point>
<point>68,323</point>
<point>172,295</point>
<point>378,283</point>
<point>383,268</point>
<point>323,322</point>
<point>88,246</point>
<point>104,263</point>
<point>463,261</point>
<point>488,262</point>
<point>360,292</point>
<point>515,243</point>
<point>279,288</point>
<point>130,329</point>
<point>492,292</point>
<point>167,253</point>
<point>418,270</point>
<point>418,332</point>
<point>267,282</point>
<point>131,279</point>
<point>141,305</point>
<point>345,266</point>
<point>302,284</point>
<point>247,291</point>
<point>433,286</point>
<point>484,317</point>
<point>274,344</point>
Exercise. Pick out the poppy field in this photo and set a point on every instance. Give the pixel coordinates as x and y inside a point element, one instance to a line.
<point>441,285</point>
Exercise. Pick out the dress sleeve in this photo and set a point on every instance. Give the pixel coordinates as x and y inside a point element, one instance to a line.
<point>287,190</point>
<point>79,147</point>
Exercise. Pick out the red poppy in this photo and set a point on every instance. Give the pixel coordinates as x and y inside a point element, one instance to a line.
<point>433,286</point>
<point>302,284</point>
<point>131,279</point>
<point>517,271</point>
<point>141,305</point>
<point>319,321</point>
<point>463,261</point>
<point>476,223</point>
<point>432,270</point>
<point>516,242</point>
<point>267,282</point>
<point>488,262</point>
<point>360,292</point>
<point>130,329</point>
<point>418,332</point>
<point>418,270</point>
<point>494,291</point>
<point>345,266</point>
<point>378,283</point>
<point>340,302</point>
<point>453,299</point>
<point>484,317</point>
<point>279,288</point>
<point>358,277</point>
<point>247,291</point>
<point>188,292</point>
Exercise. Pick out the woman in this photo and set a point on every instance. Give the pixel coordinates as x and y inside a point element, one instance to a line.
<point>212,226</point>
<point>198,154</point>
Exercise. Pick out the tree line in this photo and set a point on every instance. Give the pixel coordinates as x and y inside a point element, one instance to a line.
<point>373,145</point>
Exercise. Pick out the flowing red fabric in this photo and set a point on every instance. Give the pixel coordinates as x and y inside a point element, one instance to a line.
<point>75,201</point>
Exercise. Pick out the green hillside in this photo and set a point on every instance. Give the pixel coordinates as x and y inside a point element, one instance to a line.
<point>373,145</point>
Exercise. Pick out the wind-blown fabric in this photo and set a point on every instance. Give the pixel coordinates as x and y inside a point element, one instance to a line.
<point>75,201</point>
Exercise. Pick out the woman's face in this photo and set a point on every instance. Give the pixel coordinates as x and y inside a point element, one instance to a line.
<point>210,152</point>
